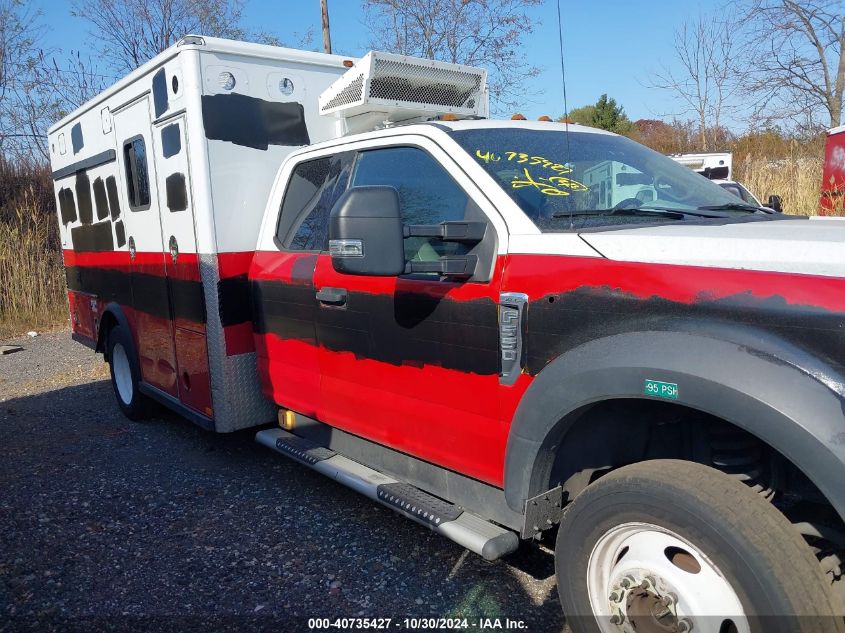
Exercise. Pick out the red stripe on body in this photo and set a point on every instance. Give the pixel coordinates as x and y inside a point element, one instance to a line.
<point>234,264</point>
<point>186,267</point>
<point>542,275</point>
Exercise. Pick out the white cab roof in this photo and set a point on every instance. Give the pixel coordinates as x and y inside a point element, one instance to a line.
<point>476,124</point>
<point>433,128</point>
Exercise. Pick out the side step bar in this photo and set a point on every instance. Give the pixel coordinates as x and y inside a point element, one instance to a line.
<point>468,530</point>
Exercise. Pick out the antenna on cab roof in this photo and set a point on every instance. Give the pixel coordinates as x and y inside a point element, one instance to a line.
<point>565,105</point>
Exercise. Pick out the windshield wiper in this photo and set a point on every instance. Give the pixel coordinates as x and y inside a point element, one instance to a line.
<point>678,214</point>
<point>731,206</point>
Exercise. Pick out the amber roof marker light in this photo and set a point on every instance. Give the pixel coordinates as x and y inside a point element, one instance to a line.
<point>348,63</point>
<point>545,118</point>
<point>518,117</point>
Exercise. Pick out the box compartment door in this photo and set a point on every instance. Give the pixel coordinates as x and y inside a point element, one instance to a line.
<point>187,299</point>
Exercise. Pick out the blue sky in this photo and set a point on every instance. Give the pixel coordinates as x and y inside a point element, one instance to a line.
<point>611,47</point>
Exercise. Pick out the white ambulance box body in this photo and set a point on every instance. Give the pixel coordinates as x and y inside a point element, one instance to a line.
<point>161,184</point>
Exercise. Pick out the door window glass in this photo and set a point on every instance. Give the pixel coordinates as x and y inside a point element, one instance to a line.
<point>137,175</point>
<point>427,194</point>
<point>314,187</point>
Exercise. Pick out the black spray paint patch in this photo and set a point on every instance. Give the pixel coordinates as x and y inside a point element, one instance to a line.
<point>76,140</point>
<point>405,328</point>
<point>92,238</point>
<point>160,93</point>
<point>177,192</point>
<point>114,201</point>
<point>171,140</point>
<point>67,206</point>
<point>146,293</point>
<point>100,200</point>
<point>233,299</point>
<point>558,323</point>
<point>253,122</point>
<point>120,233</point>
<point>83,198</point>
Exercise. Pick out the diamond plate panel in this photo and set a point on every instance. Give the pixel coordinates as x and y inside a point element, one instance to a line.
<point>235,387</point>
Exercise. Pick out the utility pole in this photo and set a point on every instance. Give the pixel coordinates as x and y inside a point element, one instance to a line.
<point>327,38</point>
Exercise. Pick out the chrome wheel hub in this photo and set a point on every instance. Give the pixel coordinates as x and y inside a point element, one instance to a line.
<point>643,578</point>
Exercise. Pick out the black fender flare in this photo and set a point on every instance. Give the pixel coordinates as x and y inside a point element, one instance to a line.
<point>115,311</point>
<point>776,392</point>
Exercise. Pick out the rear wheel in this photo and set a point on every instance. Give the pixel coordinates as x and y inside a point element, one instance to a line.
<point>668,546</point>
<point>125,375</point>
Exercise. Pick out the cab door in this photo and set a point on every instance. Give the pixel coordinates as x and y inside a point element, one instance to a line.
<point>150,312</point>
<point>282,281</point>
<point>412,361</point>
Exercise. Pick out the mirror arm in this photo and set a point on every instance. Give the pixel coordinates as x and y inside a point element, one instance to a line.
<point>453,231</point>
<point>450,266</point>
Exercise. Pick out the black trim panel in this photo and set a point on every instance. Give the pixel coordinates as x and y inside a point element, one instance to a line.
<point>84,340</point>
<point>87,163</point>
<point>174,405</point>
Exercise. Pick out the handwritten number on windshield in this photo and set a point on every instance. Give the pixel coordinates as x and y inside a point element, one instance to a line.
<point>548,186</point>
<point>551,186</point>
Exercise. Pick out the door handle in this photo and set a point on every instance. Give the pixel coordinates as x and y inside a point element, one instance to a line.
<point>173,246</point>
<point>332,296</point>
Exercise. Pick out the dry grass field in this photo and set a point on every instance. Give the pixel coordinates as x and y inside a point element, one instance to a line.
<point>32,284</point>
<point>796,181</point>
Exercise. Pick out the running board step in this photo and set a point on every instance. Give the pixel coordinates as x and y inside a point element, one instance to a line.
<point>464,528</point>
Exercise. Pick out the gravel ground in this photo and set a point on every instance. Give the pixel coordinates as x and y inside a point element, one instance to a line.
<point>110,524</point>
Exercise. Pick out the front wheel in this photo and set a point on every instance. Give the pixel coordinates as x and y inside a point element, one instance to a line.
<point>668,546</point>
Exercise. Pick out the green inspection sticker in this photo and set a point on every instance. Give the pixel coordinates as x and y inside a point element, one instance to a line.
<point>660,389</point>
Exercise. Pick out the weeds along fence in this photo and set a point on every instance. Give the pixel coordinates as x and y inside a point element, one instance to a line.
<point>32,285</point>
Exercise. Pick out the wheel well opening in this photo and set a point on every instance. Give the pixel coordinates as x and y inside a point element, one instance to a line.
<point>601,437</point>
<point>106,324</point>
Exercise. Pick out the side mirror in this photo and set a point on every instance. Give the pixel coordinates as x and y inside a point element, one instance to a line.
<point>365,233</point>
<point>775,203</point>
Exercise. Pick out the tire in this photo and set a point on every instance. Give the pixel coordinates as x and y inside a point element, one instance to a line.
<point>126,375</point>
<point>720,557</point>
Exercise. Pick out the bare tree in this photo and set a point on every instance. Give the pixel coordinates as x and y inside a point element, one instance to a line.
<point>19,31</point>
<point>35,88</point>
<point>705,78</point>
<point>487,33</point>
<point>130,32</point>
<point>797,68</point>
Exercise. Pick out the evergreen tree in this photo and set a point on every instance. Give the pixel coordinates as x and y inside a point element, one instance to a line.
<point>608,115</point>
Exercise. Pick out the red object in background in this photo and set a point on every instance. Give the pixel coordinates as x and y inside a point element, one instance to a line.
<point>832,198</point>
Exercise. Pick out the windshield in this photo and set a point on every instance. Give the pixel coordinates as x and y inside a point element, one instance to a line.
<point>593,180</point>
